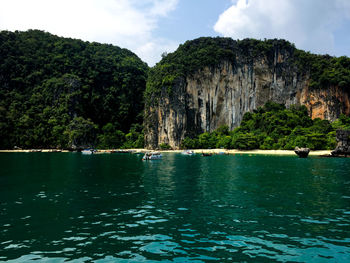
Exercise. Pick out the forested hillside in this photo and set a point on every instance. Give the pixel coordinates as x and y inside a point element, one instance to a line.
<point>273,127</point>
<point>65,93</point>
<point>60,92</point>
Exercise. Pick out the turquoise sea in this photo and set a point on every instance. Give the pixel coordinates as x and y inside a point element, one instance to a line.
<point>69,207</point>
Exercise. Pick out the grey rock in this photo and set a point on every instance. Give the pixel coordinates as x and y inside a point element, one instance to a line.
<point>302,152</point>
<point>343,146</point>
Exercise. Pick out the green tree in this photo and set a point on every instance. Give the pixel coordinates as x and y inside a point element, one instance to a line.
<point>189,143</point>
<point>207,140</point>
<point>224,141</point>
<point>164,146</point>
<point>81,133</point>
<point>46,81</point>
<point>246,141</point>
<point>111,138</point>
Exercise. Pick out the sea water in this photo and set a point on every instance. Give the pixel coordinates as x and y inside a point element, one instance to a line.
<point>69,207</point>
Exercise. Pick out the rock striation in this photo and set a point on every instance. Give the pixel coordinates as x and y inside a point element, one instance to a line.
<point>214,95</point>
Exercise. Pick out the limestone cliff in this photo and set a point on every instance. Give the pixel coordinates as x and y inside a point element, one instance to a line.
<point>326,103</point>
<point>218,94</point>
<point>343,146</point>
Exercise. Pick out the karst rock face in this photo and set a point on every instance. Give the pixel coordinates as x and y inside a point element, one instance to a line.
<point>343,146</point>
<point>220,95</point>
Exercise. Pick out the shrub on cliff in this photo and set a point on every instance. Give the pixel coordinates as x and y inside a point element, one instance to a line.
<point>342,123</point>
<point>325,70</point>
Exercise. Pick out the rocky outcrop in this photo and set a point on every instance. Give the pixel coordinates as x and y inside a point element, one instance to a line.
<point>302,152</point>
<point>343,146</point>
<point>216,95</point>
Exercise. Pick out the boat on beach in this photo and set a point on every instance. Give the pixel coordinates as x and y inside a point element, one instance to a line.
<point>188,152</point>
<point>88,151</point>
<point>152,156</point>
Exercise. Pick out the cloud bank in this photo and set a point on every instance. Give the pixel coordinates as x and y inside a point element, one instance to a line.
<point>310,24</point>
<point>126,23</point>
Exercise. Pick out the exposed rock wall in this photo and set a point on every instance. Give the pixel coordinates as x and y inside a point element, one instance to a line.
<point>211,97</point>
<point>343,146</point>
<point>327,103</point>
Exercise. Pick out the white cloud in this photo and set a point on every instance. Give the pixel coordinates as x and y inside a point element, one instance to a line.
<point>126,23</point>
<point>152,50</point>
<point>307,23</point>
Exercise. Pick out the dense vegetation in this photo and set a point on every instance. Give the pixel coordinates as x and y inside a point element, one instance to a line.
<point>273,127</point>
<point>196,54</point>
<point>59,92</point>
<point>62,93</point>
<point>324,69</point>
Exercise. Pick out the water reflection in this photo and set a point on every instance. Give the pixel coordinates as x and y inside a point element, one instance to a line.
<point>180,209</point>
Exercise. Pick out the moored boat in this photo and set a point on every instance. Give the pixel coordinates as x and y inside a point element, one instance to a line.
<point>188,152</point>
<point>152,156</point>
<point>88,151</point>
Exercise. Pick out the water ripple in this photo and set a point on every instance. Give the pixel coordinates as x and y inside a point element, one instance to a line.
<point>116,208</point>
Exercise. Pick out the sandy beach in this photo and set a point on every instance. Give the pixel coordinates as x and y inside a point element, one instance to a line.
<point>33,150</point>
<point>264,152</point>
<point>215,151</point>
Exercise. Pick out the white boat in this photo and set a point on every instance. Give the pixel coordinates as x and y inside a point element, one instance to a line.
<point>88,151</point>
<point>188,152</point>
<point>152,156</point>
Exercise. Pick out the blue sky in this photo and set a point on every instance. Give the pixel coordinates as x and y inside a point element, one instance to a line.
<point>151,27</point>
<point>192,19</point>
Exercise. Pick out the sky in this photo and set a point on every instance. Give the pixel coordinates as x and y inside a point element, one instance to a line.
<point>151,27</point>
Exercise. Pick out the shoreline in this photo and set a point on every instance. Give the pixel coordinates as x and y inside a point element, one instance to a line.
<point>257,152</point>
<point>197,151</point>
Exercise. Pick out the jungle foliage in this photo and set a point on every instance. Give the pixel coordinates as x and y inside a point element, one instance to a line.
<point>60,92</point>
<point>273,127</point>
<point>324,70</point>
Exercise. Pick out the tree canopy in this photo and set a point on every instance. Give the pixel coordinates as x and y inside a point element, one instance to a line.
<point>51,85</point>
<point>62,92</point>
<point>273,127</point>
